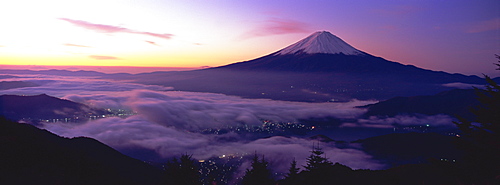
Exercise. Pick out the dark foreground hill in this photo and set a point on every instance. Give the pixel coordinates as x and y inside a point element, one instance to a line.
<point>29,155</point>
<point>411,148</point>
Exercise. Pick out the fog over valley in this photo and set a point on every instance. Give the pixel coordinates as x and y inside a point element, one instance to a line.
<point>163,123</point>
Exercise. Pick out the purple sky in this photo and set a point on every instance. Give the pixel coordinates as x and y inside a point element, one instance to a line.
<point>454,36</point>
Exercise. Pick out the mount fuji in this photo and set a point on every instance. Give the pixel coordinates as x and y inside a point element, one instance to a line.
<point>321,51</point>
<point>320,67</point>
<point>325,52</point>
<point>321,42</point>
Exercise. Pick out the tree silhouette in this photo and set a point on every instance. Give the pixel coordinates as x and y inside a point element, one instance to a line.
<point>481,136</point>
<point>292,177</point>
<point>319,169</point>
<point>316,161</point>
<point>293,171</point>
<point>259,174</point>
<point>182,171</point>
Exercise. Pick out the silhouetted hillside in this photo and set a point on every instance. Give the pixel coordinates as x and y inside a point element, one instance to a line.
<point>42,107</point>
<point>453,102</point>
<point>29,155</point>
<point>4,85</point>
<point>434,173</point>
<point>411,148</point>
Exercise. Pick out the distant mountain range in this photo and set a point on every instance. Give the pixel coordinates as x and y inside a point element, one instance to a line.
<point>51,72</point>
<point>321,67</point>
<point>42,106</point>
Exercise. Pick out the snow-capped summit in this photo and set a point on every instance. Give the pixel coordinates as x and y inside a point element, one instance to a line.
<point>321,42</point>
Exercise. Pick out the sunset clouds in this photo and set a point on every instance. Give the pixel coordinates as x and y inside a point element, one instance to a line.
<point>483,26</point>
<point>277,26</point>
<point>76,45</point>
<point>101,57</point>
<point>113,29</point>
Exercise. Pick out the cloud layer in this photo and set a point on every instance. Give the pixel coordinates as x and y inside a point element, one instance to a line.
<point>60,86</point>
<point>137,132</point>
<point>195,111</point>
<point>276,26</point>
<point>402,120</point>
<point>168,123</point>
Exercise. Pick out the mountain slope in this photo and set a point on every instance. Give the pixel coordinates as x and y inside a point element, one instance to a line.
<point>454,102</point>
<point>318,68</point>
<point>29,155</point>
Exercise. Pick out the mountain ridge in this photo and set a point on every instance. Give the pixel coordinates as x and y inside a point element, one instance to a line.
<point>442,103</point>
<point>42,106</point>
<point>312,77</point>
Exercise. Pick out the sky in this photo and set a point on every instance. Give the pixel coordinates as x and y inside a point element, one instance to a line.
<point>460,36</point>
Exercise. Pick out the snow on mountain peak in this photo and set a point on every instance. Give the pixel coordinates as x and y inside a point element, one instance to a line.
<point>321,42</point>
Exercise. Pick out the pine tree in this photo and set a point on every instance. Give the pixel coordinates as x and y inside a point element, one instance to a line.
<point>481,136</point>
<point>316,160</point>
<point>319,169</point>
<point>293,171</point>
<point>182,171</point>
<point>292,177</point>
<point>259,174</point>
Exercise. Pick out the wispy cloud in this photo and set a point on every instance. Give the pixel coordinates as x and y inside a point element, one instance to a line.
<point>101,57</point>
<point>76,45</point>
<point>159,35</point>
<point>402,120</point>
<point>113,29</point>
<point>487,25</point>
<point>152,43</point>
<point>397,10</point>
<point>276,26</point>
<point>462,85</point>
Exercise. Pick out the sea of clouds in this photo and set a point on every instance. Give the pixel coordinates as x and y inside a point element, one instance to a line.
<point>167,121</point>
